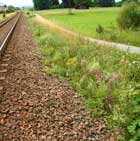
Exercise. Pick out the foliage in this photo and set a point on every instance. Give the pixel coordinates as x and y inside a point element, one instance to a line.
<point>4,15</point>
<point>134,130</point>
<point>129,16</point>
<point>28,13</point>
<point>54,2</point>
<point>11,9</point>
<point>67,3</point>
<point>82,1</point>
<point>105,3</point>
<point>41,4</point>
<point>94,3</point>
<point>99,29</point>
<point>104,77</point>
<point>134,126</point>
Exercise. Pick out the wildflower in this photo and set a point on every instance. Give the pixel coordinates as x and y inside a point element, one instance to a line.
<point>72,62</point>
<point>99,75</point>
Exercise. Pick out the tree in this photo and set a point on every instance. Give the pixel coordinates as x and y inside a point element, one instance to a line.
<point>54,2</point>
<point>68,3</point>
<point>82,1</point>
<point>41,4</point>
<point>106,3</point>
<point>82,4</point>
<point>11,9</point>
<point>36,4</point>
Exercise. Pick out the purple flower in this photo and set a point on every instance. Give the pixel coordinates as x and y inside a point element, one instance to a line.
<point>99,75</point>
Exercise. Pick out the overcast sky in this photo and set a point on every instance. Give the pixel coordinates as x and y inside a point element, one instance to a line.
<point>18,3</point>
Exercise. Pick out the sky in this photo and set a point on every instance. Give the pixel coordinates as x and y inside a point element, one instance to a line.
<point>18,3</point>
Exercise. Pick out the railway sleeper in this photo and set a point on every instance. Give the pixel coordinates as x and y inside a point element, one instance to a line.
<point>3,71</point>
<point>1,88</point>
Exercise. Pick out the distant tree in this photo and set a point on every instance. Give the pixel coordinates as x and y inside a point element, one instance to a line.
<point>36,4</point>
<point>5,6</point>
<point>11,9</point>
<point>54,2</point>
<point>106,3</point>
<point>82,1</point>
<point>82,4</point>
<point>41,4</point>
<point>68,3</point>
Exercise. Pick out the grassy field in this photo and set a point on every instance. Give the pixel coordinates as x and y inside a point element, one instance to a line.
<point>107,79</point>
<point>1,18</point>
<point>7,16</point>
<point>83,21</point>
<point>86,21</point>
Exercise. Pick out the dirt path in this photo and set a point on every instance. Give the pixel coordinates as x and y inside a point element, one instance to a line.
<point>53,26</point>
<point>36,107</point>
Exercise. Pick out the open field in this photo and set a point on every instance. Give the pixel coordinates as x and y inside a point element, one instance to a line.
<point>86,21</point>
<point>83,21</point>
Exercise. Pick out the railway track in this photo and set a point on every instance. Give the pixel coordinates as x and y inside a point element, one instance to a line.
<point>7,28</point>
<point>6,31</point>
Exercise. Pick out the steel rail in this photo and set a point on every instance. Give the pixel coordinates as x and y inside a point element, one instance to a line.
<point>7,38</point>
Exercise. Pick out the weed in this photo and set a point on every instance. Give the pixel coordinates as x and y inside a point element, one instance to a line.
<point>106,78</point>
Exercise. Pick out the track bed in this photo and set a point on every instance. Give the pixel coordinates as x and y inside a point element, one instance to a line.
<point>37,107</point>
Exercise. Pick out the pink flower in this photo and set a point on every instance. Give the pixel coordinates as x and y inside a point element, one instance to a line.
<point>99,75</point>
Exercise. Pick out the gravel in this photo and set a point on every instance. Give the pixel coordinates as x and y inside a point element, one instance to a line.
<point>37,107</point>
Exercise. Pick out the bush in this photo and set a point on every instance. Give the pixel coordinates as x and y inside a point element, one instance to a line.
<point>100,29</point>
<point>28,13</point>
<point>129,16</point>
<point>4,15</point>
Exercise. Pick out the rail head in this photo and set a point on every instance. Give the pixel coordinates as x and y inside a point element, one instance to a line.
<point>7,38</point>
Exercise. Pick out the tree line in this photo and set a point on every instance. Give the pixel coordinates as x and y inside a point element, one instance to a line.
<point>79,4</point>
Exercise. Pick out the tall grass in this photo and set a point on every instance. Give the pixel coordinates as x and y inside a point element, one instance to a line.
<point>106,78</point>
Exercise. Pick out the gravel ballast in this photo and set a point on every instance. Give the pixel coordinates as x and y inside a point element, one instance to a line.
<point>37,107</point>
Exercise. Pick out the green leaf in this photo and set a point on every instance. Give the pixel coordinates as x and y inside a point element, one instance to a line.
<point>131,129</point>
<point>138,132</point>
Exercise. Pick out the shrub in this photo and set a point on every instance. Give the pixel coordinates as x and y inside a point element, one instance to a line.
<point>129,16</point>
<point>134,130</point>
<point>4,15</point>
<point>100,29</point>
<point>28,13</point>
<point>134,126</point>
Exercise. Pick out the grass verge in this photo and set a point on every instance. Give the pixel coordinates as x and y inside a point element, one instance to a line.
<point>107,79</point>
<point>7,16</point>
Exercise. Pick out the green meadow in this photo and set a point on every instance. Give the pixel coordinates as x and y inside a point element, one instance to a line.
<point>83,21</point>
<point>86,22</point>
